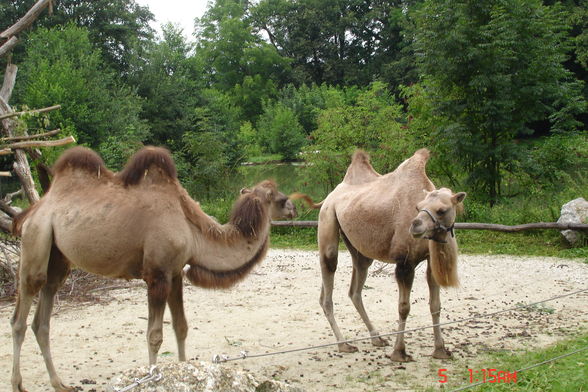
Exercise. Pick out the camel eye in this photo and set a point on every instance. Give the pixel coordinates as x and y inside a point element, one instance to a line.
<point>441,212</point>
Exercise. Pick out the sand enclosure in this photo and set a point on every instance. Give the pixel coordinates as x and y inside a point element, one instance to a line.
<point>276,308</point>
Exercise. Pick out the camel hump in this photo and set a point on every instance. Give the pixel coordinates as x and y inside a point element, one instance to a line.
<point>139,165</point>
<point>80,158</point>
<point>360,171</point>
<point>423,154</point>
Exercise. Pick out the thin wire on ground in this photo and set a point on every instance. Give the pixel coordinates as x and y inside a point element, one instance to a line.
<point>245,355</point>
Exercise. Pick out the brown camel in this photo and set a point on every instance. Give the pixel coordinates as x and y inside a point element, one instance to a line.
<point>136,224</point>
<point>397,218</point>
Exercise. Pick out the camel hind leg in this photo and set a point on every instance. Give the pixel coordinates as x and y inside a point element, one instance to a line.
<point>57,271</point>
<point>328,240</point>
<point>361,265</point>
<point>36,246</point>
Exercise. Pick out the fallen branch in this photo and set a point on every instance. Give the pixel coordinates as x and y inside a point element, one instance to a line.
<point>8,45</point>
<point>34,111</point>
<point>29,137</point>
<point>473,226</point>
<point>5,174</point>
<point>8,83</point>
<point>41,143</point>
<point>5,151</point>
<point>26,20</point>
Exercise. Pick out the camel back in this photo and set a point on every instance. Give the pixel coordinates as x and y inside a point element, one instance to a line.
<point>80,158</point>
<point>139,164</point>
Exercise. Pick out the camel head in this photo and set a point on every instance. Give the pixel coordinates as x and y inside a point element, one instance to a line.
<point>436,214</point>
<point>281,207</point>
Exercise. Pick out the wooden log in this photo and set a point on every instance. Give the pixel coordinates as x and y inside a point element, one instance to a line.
<point>472,226</point>
<point>8,83</point>
<point>29,137</point>
<point>26,20</point>
<point>34,111</point>
<point>5,174</point>
<point>8,45</point>
<point>5,151</point>
<point>41,143</point>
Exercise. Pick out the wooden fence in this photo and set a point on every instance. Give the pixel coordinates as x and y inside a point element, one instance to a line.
<point>473,226</point>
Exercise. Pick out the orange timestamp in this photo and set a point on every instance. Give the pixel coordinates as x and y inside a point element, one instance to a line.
<point>492,376</point>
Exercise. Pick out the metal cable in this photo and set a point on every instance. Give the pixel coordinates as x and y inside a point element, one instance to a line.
<point>244,354</point>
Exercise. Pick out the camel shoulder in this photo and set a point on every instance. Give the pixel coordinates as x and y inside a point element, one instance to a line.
<point>152,163</point>
<point>360,171</point>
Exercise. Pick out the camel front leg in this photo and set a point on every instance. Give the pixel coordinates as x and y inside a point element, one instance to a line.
<point>176,307</point>
<point>440,351</point>
<point>57,272</point>
<point>404,276</point>
<point>158,290</point>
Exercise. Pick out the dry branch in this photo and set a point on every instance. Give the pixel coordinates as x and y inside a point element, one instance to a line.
<point>26,20</point>
<point>35,111</point>
<point>5,174</point>
<point>9,80</point>
<point>21,163</point>
<point>473,226</point>
<point>8,45</point>
<point>5,151</point>
<point>42,143</point>
<point>29,137</point>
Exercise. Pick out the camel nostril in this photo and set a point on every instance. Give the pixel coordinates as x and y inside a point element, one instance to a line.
<point>417,222</point>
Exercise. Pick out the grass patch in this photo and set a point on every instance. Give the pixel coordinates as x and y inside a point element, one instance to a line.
<point>565,374</point>
<point>537,243</point>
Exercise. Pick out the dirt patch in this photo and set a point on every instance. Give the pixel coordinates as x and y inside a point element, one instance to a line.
<point>277,309</point>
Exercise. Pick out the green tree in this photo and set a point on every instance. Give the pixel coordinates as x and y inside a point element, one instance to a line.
<point>280,132</point>
<point>118,28</point>
<point>61,67</point>
<point>373,121</point>
<point>167,80</point>
<point>491,69</point>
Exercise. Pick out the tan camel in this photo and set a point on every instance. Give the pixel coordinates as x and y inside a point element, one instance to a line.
<point>137,224</point>
<point>397,218</point>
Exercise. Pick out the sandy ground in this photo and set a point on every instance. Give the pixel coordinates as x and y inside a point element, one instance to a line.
<point>277,308</point>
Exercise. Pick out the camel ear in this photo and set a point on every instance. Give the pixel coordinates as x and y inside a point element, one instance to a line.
<point>269,195</point>
<point>458,197</point>
<point>244,191</point>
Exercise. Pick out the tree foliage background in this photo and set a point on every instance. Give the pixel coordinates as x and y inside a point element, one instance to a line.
<point>496,89</point>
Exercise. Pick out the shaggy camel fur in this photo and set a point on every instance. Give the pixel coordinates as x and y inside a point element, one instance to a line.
<point>397,218</point>
<point>137,224</point>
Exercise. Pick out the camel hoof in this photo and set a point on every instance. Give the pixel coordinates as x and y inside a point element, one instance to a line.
<point>380,342</point>
<point>442,353</point>
<point>400,356</point>
<point>347,348</point>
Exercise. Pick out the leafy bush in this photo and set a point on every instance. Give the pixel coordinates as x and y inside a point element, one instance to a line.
<point>280,132</point>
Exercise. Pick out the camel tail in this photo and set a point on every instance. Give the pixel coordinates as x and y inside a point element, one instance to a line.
<point>210,279</point>
<point>139,164</point>
<point>307,200</point>
<point>444,263</point>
